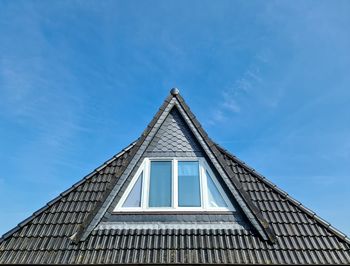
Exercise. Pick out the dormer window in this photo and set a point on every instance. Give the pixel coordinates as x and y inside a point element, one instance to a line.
<point>174,185</point>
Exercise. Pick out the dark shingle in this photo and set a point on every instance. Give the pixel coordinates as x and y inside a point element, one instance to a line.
<point>301,236</point>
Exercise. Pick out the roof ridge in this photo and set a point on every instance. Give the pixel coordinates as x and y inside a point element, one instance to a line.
<point>175,101</point>
<point>84,226</point>
<point>246,199</point>
<point>292,200</point>
<point>64,193</point>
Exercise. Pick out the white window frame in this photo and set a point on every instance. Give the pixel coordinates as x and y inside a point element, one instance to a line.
<point>145,170</point>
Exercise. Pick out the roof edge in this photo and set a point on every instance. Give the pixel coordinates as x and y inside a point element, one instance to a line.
<point>212,146</point>
<point>83,230</point>
<point>92,219</point>
<point>64,193</point>
<point>293,201</point>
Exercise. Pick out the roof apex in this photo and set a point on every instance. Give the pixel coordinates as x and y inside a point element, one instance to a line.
<point>302,238</point>
<point>175,100</point>
<point>174,91</point>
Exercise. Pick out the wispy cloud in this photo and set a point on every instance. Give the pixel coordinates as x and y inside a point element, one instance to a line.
<point>235,96</point>
<point>274,78</point>
<point>38,95</point>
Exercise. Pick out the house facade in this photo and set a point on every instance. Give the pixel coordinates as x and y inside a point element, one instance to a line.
<point>174,197</point>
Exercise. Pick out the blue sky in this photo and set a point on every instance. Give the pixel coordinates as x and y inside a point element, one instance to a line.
<point>269,81</point>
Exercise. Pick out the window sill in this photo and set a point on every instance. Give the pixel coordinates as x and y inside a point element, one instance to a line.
<point>166,212</point>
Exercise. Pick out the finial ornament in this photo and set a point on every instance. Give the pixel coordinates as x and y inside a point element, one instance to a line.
<point>174,91</point>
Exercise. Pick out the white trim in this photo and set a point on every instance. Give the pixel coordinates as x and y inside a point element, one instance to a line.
<point>145,169</point>
<point>204,185</point>
<point>130,187</point>
<point>218,186</point>
<point>145,185</point>
<point>175,190</point>
<point>201,188</point>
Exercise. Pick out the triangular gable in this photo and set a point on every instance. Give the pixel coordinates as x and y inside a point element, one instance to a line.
<point>174,142</point>
<point>174,138</point>
<point>302,237</point>
<point>176,101</point>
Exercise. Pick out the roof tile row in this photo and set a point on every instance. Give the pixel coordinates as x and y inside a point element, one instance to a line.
<point>175,239</point>
<point>169,256</point>
<point>301,239</point>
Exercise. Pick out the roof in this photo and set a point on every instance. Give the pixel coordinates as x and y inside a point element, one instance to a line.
<point>301,237</point>
<point>175,101</point>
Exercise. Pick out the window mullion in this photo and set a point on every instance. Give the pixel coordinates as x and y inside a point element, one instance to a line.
<point>175,184</point>
<point>204,186</point>
<point>145,194</point>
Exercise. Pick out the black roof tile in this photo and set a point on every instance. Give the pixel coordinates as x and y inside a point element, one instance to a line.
<point>301,236</point>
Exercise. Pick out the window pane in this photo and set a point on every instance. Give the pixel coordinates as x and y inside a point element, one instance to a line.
<point>188,184</point>
<point>134,197</point>
<point>214,197</point>
<point>160,184</point>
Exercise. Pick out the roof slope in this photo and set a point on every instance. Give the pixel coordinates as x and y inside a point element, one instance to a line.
<point>301,236</point>
<point>61,217</point>
<point>175,101</point>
